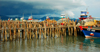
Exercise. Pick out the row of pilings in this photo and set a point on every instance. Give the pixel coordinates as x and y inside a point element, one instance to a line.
<point>12,30</point>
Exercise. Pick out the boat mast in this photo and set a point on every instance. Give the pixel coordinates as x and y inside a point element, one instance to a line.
<point>31,16</point>
<point>87,8</point>
<point>23,15</point>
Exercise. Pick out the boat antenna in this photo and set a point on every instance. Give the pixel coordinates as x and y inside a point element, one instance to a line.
<point>31,15</point>
<point>67,15</point>
<point>87,8</point>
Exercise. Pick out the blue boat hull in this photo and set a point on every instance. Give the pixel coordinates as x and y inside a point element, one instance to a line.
<point>87,34</point>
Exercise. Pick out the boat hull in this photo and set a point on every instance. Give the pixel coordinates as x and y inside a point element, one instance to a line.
<point>87,34</point>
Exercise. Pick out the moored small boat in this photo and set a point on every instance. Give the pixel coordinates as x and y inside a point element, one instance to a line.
<point>90,32</point>
<point>88,25</point>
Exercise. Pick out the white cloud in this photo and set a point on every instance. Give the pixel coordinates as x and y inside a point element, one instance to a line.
<point>71,14</point>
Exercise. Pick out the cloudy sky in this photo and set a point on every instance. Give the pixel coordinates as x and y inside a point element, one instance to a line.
<point>41,8</point>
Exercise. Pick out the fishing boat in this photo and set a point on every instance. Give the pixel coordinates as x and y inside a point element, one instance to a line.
<point>90,32</point>
<point>62,20</point>
<point>30,18</point>
<point>88,26</point>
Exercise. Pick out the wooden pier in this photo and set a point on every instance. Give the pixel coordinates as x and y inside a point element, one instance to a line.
<point>12,30</point>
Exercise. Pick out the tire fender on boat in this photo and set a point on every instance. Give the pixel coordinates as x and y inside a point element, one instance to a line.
<point>91,34</point>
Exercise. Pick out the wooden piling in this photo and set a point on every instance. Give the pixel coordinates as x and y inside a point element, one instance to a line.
<point>23,34</point>
<point>71,30</point>
<point>75,31</point>
<point>23,31</point>
<point>10,34</point>
<point>59,31</point>
<point>18,26</point>
<point>36,34</point>
<point>45,30</point>
<point>50,31</point>
<point>14,26</point>
<point>27,31</point>
<point>0,24</point>
<point>68,27</point>
<point>39,31</point>
<point>0,30</point>
<point>30,30</point>
<point>33,31</point>
<point>14,33</point>
<point>0,35</point>
<point>65,31</point>
<point>5,35</point>
<point>18,33</point>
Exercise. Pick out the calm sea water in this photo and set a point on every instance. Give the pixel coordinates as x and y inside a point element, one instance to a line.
<point>61,44</point>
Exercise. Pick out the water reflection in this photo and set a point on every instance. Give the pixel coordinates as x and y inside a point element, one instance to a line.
<point>90,44</point>
<point>62,44</point>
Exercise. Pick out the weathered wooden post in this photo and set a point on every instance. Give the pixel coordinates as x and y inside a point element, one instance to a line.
<point>45,30</point>
<point>18,26</point>
<point>14,26</point>
<point>27,31</point>
<point>53,31</point>
<point>71,30</point>
<point>5,34</point>
<point>10,32</point>
<point>56,30</point>
<point>0,24</point>
<point>0,29</point>
<point>65,26</point>
<point>0,35</point>
<point>50,31</point>
<point>36,33</point>
<point>59,31</point>
<point>65,31</point>
<point>30,26</point>
<point>23,34</point>
<point>23,31</point>
<point>40,31</point>
<point>30,33</point>
<point>5,31</point>
<point>18,33</point>
<point>69,27</point>
<point>75,31</point>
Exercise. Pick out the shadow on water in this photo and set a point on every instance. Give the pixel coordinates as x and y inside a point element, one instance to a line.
<point>62,44</point>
